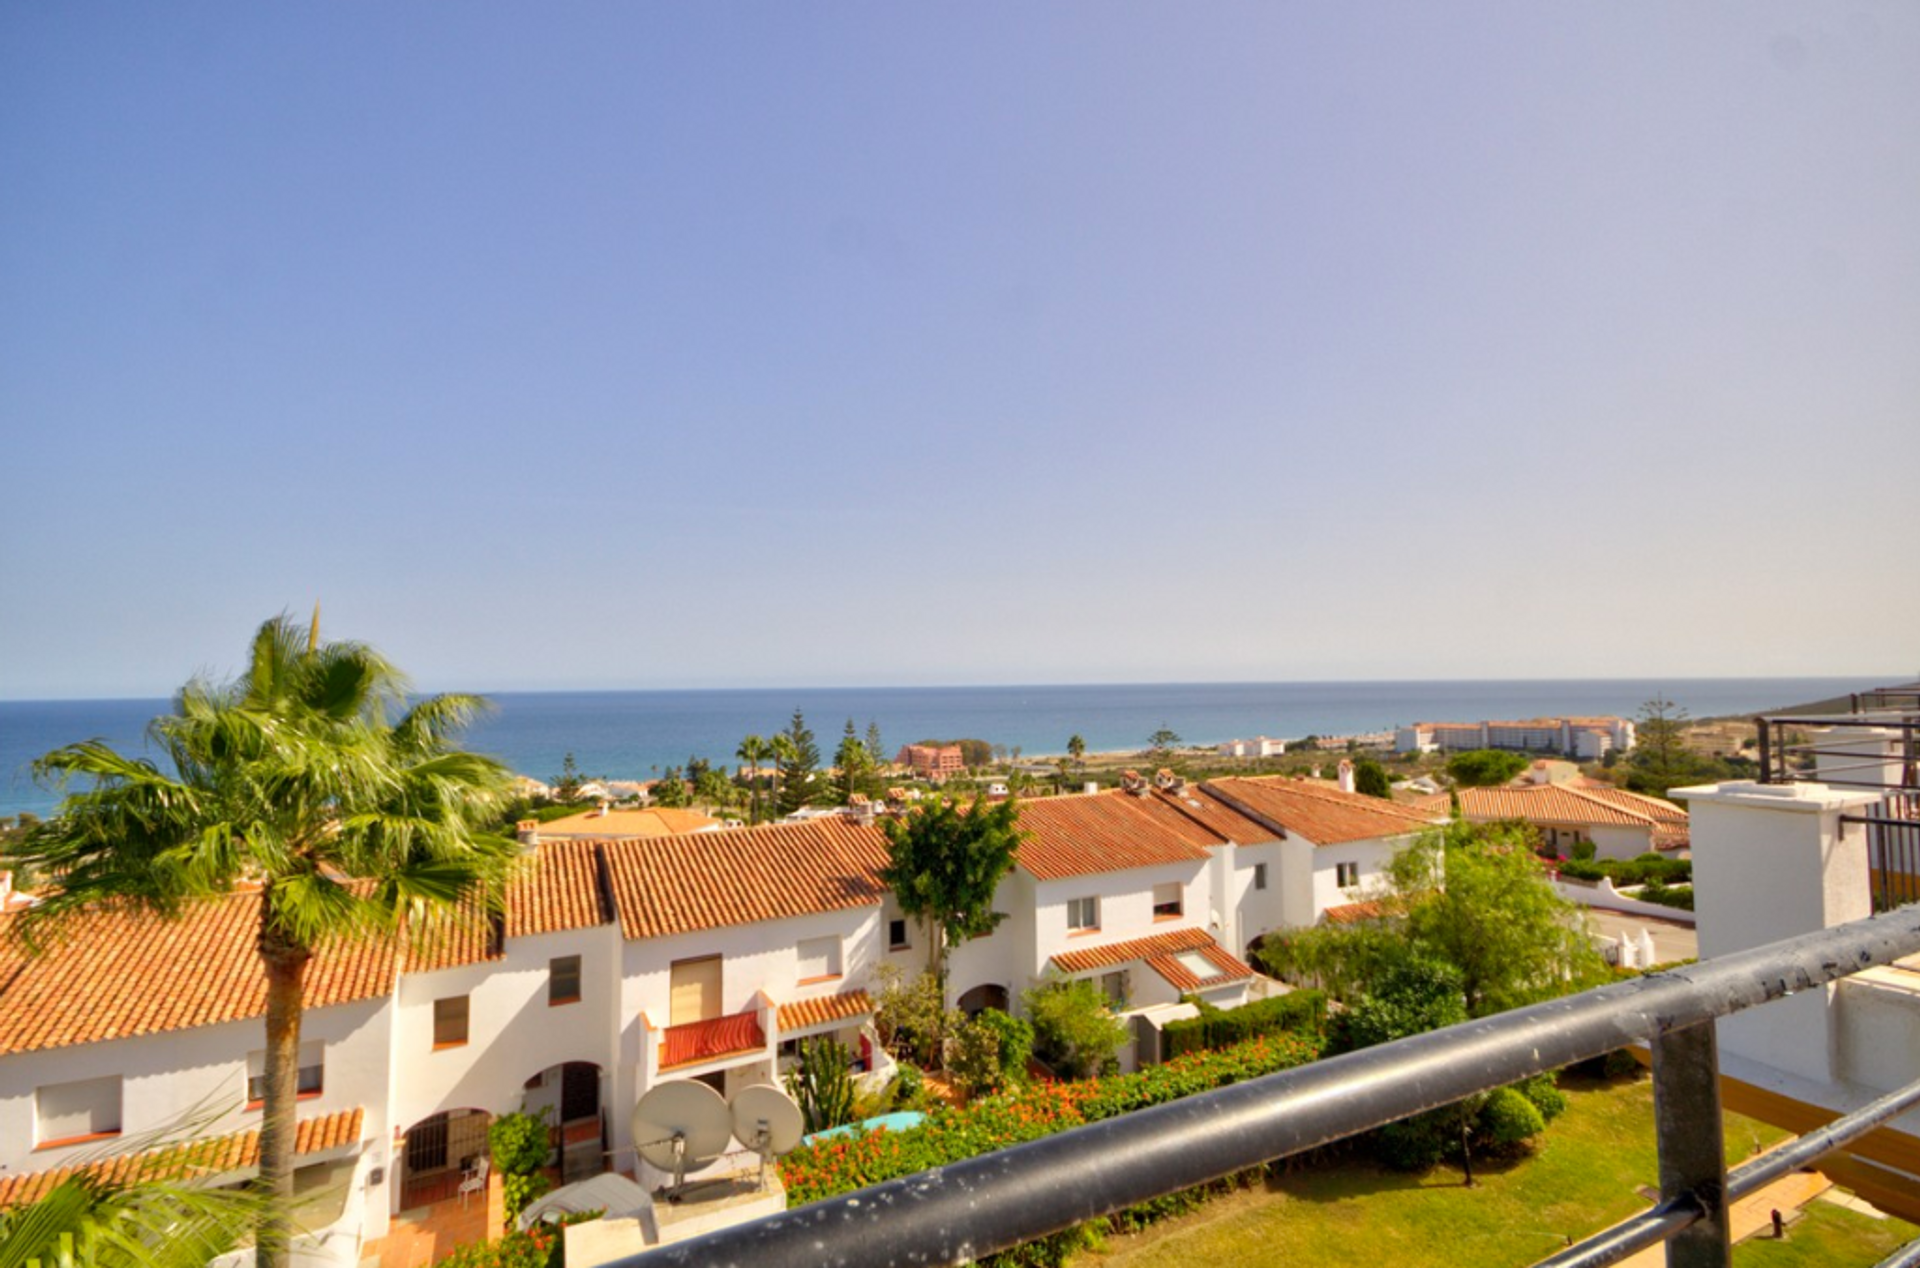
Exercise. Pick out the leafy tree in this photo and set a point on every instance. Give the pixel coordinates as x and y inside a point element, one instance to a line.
<point>853,767</point>
<point>1410,996</point>
<point>567,784</point>
<point>799,759</point>
<point>1370,777</point>
<point>290,777</point>
<point>715,790</point>
<point>1660,759</point>
<point>822,1084</point>
<point>519,1144</point>
<point>1073,1031</point>
<point>753,750</point>
<point>670,789</point>
<point>944,864</point>
<point>1077,749</point>
<point>1484,767</point>
<point>1163,741</point>
<point>911,1015</point>
<point>973,1059</point>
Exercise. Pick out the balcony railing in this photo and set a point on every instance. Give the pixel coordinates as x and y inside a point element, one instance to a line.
<point>695,1042</point>
<point>967,1210</point>
<point>1876,748</point>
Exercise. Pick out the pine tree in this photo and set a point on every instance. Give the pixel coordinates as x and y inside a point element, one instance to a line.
<point>798,764</point>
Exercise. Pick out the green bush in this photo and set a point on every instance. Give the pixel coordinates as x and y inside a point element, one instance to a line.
<point>1298,1012</point>
<point>909,1086</point>
<point>1507,1121</point>
<point>1681,897</point>
<point>1583,870</point>
<point>1544,1091</point>
<point>822,1084</point>
<point>1073,1032</point>
<point>1015,1036</point>
<point>1583,851</point>
<point>519,1144</point>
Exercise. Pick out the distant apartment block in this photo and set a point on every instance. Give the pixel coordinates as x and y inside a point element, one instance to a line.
<point>1586,738</point>
<point>929,761</point>
<point>1258,746</point>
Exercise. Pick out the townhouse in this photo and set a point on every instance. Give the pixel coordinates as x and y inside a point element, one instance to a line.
<point>620,964</point>
<point>1619,824</point>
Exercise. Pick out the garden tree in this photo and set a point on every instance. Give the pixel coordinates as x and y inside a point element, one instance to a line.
<point>715,790</point>
<point>876,752</point>
<point>1077,749</point>
<point>1660,759</point>
<point>910,1014</point>
<point>670,789</point>
<point>695,768</point>
<point>1471,896</point>
<point>1062,772</point>
<point>292,778</point>
<point>1370,777</point>
<point>753,750</point>
<point>1484,767</point>
<point>799,760</point>
<point>853,767</point>
<point>1163,741</point>
<point>149,1223</point>
<point>944,864</point>
<point>566,785</point>
<point>1073,1030</point>
<point>519,1144</point>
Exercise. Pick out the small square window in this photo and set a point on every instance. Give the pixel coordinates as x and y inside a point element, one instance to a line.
<point>819,959</point>
<point>1346,875</point>
<point>1259,875</point>
<point>1166,901</point>
<point>897,935</point>
<point>310,1081</point>
<point>1083,913</point>
<point>563,980</point>
<point>450,1021</point>
<point>1114,987</point>
<point>69,1113</point>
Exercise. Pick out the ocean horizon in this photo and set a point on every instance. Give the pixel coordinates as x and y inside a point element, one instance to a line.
<point>636,734</point>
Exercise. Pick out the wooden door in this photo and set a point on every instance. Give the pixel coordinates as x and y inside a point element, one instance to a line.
<point>696,990</point>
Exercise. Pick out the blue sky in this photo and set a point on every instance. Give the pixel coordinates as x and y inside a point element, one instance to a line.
<point>709,345</point>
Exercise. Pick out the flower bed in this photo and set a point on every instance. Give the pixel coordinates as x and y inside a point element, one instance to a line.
<point>950,1134</point>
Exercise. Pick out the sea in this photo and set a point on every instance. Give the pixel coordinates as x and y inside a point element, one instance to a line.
<point>636,734</point>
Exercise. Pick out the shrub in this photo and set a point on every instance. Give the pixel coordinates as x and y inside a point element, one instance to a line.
<point>1583,869</point>
<point>1681,897</point>
<point>519,1144</point>
<point>1544,1091</point>
<point>973,1059</point>
<point>1583,851</point>
<point>822,1084</point>
<point>1072,1030</point>
<point>1507,1121</point>
<point>909,1086</point>
<point>1015,1036</point>
<point>910,1015</point>
<point>1299,1012</point>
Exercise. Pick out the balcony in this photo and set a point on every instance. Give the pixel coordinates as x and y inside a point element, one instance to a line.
<point>700,1042</point>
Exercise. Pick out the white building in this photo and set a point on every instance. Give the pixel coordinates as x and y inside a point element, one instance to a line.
<point>1258,746</point>
<point>621,964</point>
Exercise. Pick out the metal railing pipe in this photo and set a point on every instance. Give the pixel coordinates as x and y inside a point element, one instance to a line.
<point>997,1200</point>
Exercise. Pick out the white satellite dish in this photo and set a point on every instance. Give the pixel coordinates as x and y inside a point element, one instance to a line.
<point>767,1121</point>
<point>681,1125</point>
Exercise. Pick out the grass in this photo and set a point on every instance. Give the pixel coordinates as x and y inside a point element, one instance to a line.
<point>1585,1175</point>
<point>1826,1235</point>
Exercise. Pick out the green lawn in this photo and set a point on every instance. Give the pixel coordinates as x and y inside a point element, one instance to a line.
<point>1824,1236</point>
<point>1584,1176</point>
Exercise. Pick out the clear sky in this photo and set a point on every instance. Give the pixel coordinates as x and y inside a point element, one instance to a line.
<point>652,344</point>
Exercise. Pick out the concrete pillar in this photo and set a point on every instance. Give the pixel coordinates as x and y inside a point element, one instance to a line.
<point>1851,756</point>
<point>1771,861</point>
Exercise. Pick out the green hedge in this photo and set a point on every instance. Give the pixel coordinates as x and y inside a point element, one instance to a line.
<point>1647,869</point>
<point>1214,1028</point>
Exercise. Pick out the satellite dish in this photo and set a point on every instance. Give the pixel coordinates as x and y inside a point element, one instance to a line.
<point>767,1121</point>
<point>681,1125</point>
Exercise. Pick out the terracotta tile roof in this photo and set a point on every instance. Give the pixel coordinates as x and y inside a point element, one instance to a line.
<point>1564,803</point>
<point>563,886</point>
<point>467,934</point>
<point>1215,815</point>
<point>214,1157</point>
<point>1353,913</point>
<point>707,880</point>
<point>801,1014</point>
<point>710,1040</point>
<point>1323,815</point>
<point>117,975</point>
<point>1159,953</point>
<point>1105,832</point>
<point>657,821</point>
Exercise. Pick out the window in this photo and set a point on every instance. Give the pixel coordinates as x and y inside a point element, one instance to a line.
<point>1166,901</point>
<point>1114,987</point>
<point>450,1021</point>
<point>1346,875</point>
<point>309,1082</point>
<point>68,1113</point>
<point>897,935</point>
<point>819,959</point>
<point>1259,875</point>
<point>1083,913</point>
<point>563,980</point>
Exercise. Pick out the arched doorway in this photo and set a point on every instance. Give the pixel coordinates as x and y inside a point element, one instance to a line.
<point>442,1152</point>
<point>569,1097</point>
<point>981,998</point>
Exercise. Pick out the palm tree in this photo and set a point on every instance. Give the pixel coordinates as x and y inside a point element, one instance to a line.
<point>753,750</point>
<point>292,778</point>
<point>1076,748</point>
<point>143,1224</point>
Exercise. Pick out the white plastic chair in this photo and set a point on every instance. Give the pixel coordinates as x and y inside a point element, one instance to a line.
<point>475,1180</point>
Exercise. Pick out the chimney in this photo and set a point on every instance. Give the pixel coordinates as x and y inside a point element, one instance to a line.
<point>1130,781</point>
<point>896,800</point>
<point>1346,775</point>
<point>860,809</point>
<point>528,830</point>
<point>605,806</point>
<point>1540,773</point>
<point>1090,787</point>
